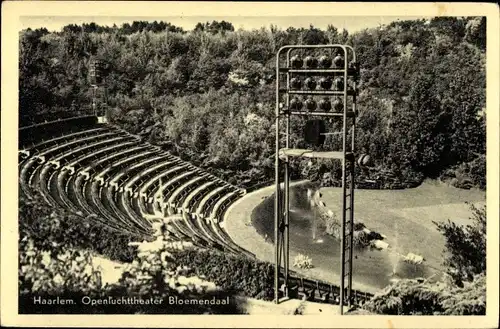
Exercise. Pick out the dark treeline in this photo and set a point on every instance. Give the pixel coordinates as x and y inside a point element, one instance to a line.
<point>208,94</point>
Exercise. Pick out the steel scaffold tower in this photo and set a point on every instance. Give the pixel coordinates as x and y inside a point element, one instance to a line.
<point>98,80</point>
<point>344,67</point>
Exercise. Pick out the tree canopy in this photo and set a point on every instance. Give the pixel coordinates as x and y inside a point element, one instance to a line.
<point>208,94</point>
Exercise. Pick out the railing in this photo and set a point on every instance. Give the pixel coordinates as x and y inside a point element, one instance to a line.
<point>319,291</point>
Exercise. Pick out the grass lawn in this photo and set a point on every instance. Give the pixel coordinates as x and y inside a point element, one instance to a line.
<point>406,216</point>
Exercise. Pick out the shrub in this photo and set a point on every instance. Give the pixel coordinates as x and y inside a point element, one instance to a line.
<point>42,271</point>
<point>468,174</point>
<point>245,276</point>
<point>413,297</point>
<point>303,261</point>
<point>465,254</point>
<point>55,230</point>
<point>406,297</point>
<point>469,300</point>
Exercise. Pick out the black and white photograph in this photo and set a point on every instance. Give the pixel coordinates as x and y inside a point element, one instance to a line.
<point>278,159</point>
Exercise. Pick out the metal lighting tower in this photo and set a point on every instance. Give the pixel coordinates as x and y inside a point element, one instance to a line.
<point>297,87</point>
<point>97,79</point>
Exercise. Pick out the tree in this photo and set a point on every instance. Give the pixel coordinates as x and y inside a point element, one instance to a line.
<point>475,32</point>
<point>314,36</point>
<point>422,85</point>
<point>465,247</point>
<point>420,133</point>
<point>214,27</point>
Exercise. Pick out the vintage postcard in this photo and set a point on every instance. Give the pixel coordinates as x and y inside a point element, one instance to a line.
<point>239,164</point>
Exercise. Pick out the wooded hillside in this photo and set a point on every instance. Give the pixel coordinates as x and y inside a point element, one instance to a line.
<point>208,94</point>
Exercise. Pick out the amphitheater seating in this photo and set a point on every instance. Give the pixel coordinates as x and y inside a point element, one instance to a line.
<point>106,161</point>
<point>147,190</point>
<point>176,196</point>
<point>37,155</point>
<point>71,168</point>
<point>130,185</point>
<point>204,202</point>
<point>202,231</point>
<point>138,220</point>
<point>179,201</point>
<point>116,182</point>
<point>112,203</point>
<point>63,181</point>
<point>194,231</point>
<point>210,204</point>
<point>90,157</point>
<point>39,147</point>
<point>30,135</point>
<point>104,173</point>
<point>46,175</point>
<point>67,157</point>
<point>103,210</point>
<point>73,145</point>
<point>166,190</point>
<point>197,194</point>
<point>221,206</point>
<point>79,186</point>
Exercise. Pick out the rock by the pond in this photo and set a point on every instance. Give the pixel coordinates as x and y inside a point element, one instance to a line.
<point>414,258</point>
<point>367,231</point>
<point>379,244</point>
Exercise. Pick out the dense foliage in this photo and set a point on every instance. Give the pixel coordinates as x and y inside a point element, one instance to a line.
<point>463,292</point>
<point>208,94</point>
<point>465,247</point>
<point>251,278</point>
<point>57,269</point>
<point>412,297</point>
<point>303,261</point>
<point>56,230</point>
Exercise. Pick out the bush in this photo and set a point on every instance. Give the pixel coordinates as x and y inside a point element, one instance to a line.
<point>469,300</point>
<point>414,297</point>
<point>465,254</point>
<point>303,261</point>
<point>55,230</point>
<point>42,271</point>
<point>467,174</point>
<point>245,276</point>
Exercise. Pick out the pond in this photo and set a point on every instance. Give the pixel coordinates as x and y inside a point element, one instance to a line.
<point>405,217</point>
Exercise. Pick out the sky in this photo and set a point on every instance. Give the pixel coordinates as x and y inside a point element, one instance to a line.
<point>350,23</point>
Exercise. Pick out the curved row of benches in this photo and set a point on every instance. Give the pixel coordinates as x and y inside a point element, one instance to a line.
<point>124,183</point>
